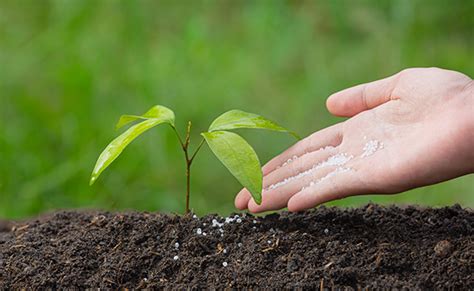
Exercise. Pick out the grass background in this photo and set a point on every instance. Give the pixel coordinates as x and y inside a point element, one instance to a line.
<point>68,69</point>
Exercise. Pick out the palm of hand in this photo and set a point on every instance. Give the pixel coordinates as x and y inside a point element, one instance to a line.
<point>403,134</point>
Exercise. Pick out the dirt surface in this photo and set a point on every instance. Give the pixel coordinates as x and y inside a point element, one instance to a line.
<point>370,247</point>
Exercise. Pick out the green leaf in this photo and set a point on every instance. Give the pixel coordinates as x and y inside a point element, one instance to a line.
<point>126,119</point>
<point>234,119</point>
<point>239,158</point>
<point>157,111</point>
<point>157,115</point>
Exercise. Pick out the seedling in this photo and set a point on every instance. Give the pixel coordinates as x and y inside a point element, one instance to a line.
<point>230,148</point>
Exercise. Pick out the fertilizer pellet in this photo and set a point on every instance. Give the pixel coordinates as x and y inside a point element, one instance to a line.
<point>371,147</point>
<point>216,223</point>
<point>199,231</point>
<point>175,258</point>
<point>335,160</point>
<point>224,264</point>
<point>289,161</point>
<point>326,231</point>
<point>176,244</point>
<point>292,159</point>
<point>239,220</point>
<point>333,173</point>
<point>339,170</point>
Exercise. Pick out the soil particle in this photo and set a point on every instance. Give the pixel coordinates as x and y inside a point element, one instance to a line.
<point>443,248</point>
<point>369,247</point>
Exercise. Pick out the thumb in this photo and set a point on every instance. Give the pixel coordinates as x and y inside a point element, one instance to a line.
<point>352,101</point>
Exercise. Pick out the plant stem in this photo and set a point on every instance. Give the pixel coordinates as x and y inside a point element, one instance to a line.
<point>188,166</point>
<point>188,185</point>
<point>189,160</point>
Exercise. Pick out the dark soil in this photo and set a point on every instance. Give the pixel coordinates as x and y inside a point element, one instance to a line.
<point>371,247</point>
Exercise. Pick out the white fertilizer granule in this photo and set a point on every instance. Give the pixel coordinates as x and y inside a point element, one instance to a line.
<point>336,160</point>
<point>175,258</point>
<point>292,159</point>
<point>216,223</point>
<point>334,173</point>
<point>289,161</point>
<point>371,147</point>
<point>199,231</point>
<point>224,264</point>
<point>329,175</point>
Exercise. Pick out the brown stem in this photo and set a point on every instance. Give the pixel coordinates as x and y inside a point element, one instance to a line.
<point>188,166</point>
<point>189,160</point>
<point>188,185</point>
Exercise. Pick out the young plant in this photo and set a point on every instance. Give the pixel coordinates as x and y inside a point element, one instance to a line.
<point>231,149</point>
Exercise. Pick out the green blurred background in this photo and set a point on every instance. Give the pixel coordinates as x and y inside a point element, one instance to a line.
<point>68,69</point>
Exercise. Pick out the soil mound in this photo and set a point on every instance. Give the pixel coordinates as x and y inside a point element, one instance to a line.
<point>371,246</point>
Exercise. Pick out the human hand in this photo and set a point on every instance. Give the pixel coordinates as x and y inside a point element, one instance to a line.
<point>412,129</point>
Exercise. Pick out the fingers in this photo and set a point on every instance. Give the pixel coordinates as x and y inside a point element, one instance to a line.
<point>297,166</point>
<point>278,197</point>
<point>242,199</point>
<point>342,182</point>
<point>330,136</point>
<point>352,101</point>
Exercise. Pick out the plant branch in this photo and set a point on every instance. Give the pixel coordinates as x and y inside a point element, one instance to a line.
<point>179,137</point>
<point>196,151</point>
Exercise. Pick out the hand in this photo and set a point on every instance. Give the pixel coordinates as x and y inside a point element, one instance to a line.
<point>412,129</point>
